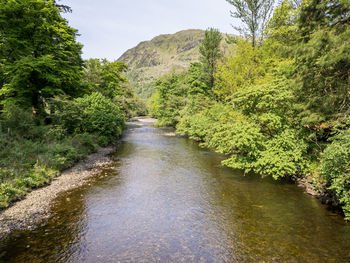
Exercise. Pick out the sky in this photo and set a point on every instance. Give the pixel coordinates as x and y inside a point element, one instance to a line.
<point>108,28</point>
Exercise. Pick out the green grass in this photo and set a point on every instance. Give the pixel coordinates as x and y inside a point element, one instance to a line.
<point>27,164</point>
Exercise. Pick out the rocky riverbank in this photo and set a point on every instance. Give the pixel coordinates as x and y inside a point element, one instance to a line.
<point>35,208</point>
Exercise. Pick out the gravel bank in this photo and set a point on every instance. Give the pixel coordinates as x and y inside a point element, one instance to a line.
<point>35,208</point>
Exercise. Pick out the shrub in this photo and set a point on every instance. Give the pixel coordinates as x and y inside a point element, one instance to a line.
<point>335,168</point>
<point>101,116</point>
<point>61,156</point>
<point>90,114</point>
<point>84,143</point>
<point>276,151</point>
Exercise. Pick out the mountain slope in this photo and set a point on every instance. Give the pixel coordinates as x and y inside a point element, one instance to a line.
<point>150,60</point>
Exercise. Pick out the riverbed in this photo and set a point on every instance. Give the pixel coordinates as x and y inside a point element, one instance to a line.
<point>165,199</point>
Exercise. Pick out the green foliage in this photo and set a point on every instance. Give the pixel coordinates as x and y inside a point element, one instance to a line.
<point>92,114</point>
<point>40,57</point>
<point>210,54</point>
<point>17,120</point>
<point>108,79</point>
<point>60,156</point>
<point>46,122</point>
<point>105,77</point>
<point>31,159</point>
<point>254,14</point>
<point>101,116</point>
<point>195,80</point>
<point>335,163</point>
<point>323,61</point>
<point>257,137</point>
<point>169,99</point>
<point>276,106</point>
<point>282,30</point>
<point>241,69</point>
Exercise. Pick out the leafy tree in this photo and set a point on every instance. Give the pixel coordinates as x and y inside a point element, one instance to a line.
<point>282,29</point>
<point>112,78</point>
<point>93,72</point>
<point>323,62</point>
<point>254,14</point>
<point>210,54</point>
<point>92,113</point>
<point>39,55</point>
<point>105,77</point>
<point>317,14</point>
<point>169,99</point>
<point>240,70</point>
<point>196,83</point>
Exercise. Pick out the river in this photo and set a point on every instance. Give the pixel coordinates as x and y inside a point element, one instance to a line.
<point>165,199</point>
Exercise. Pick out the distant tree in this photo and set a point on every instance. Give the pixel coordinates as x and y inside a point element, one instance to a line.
<point>210,54</point>
<point>254,14</point>
<point>105,77</point>
<point>39,55</point>
<point>93,72</point>
<point>194,78</point>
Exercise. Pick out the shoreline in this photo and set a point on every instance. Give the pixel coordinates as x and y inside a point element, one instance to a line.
<point>30,212</point>
<point>34,209</point>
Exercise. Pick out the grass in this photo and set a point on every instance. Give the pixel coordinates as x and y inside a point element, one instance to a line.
<point>27,163</point>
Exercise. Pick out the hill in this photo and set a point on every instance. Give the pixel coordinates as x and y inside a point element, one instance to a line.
<point>149,60</point>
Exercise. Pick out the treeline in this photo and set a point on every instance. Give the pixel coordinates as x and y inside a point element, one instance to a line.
<point>278,105</point>
<point>55,108</point>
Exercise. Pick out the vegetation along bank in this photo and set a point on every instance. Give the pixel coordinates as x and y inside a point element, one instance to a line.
<point>278,104</point>
<point>56,107</point>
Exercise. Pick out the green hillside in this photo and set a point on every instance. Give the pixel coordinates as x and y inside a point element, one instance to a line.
<point>149,60</point>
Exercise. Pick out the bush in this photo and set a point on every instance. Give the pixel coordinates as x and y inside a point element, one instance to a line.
<point>251,146</point>
<point>101,116</point>
<point>84,143</point>
<point>93,113</point>
<point>335,168</point>
<point>60,156</point>
<point>22,123</point>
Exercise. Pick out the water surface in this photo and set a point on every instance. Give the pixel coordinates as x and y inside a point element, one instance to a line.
<point>165,199</point>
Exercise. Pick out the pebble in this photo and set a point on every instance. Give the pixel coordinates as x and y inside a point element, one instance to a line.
<point>30,212</point>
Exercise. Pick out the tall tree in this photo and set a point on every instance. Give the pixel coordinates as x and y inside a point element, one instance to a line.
<point>254,15</point>
<point>39,55</point>
<point>210,54</point>
<point>105,77</point>
<point>240,70</point>
<point>323,61</point>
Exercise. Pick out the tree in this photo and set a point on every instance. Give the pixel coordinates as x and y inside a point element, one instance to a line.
<point>210,54</point>
<point>169,99</point>
<point>282,27</point>
<point>39,55</point>
<point>240,70</point>
<point>195,82</point>
<point>105,77</point>
<point>323,61</point>
<point>254,14</point>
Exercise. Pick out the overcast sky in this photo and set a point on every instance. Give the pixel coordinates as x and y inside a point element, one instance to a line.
<point>110,27</point>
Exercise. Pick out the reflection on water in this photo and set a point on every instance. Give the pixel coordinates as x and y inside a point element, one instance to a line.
<point>164,199</point>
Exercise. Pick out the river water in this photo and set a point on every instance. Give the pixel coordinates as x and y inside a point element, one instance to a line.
<point>165,199</point>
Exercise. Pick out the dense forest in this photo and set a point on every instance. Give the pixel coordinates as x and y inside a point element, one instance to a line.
<point>56,108</point>
<point>278,105</point>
